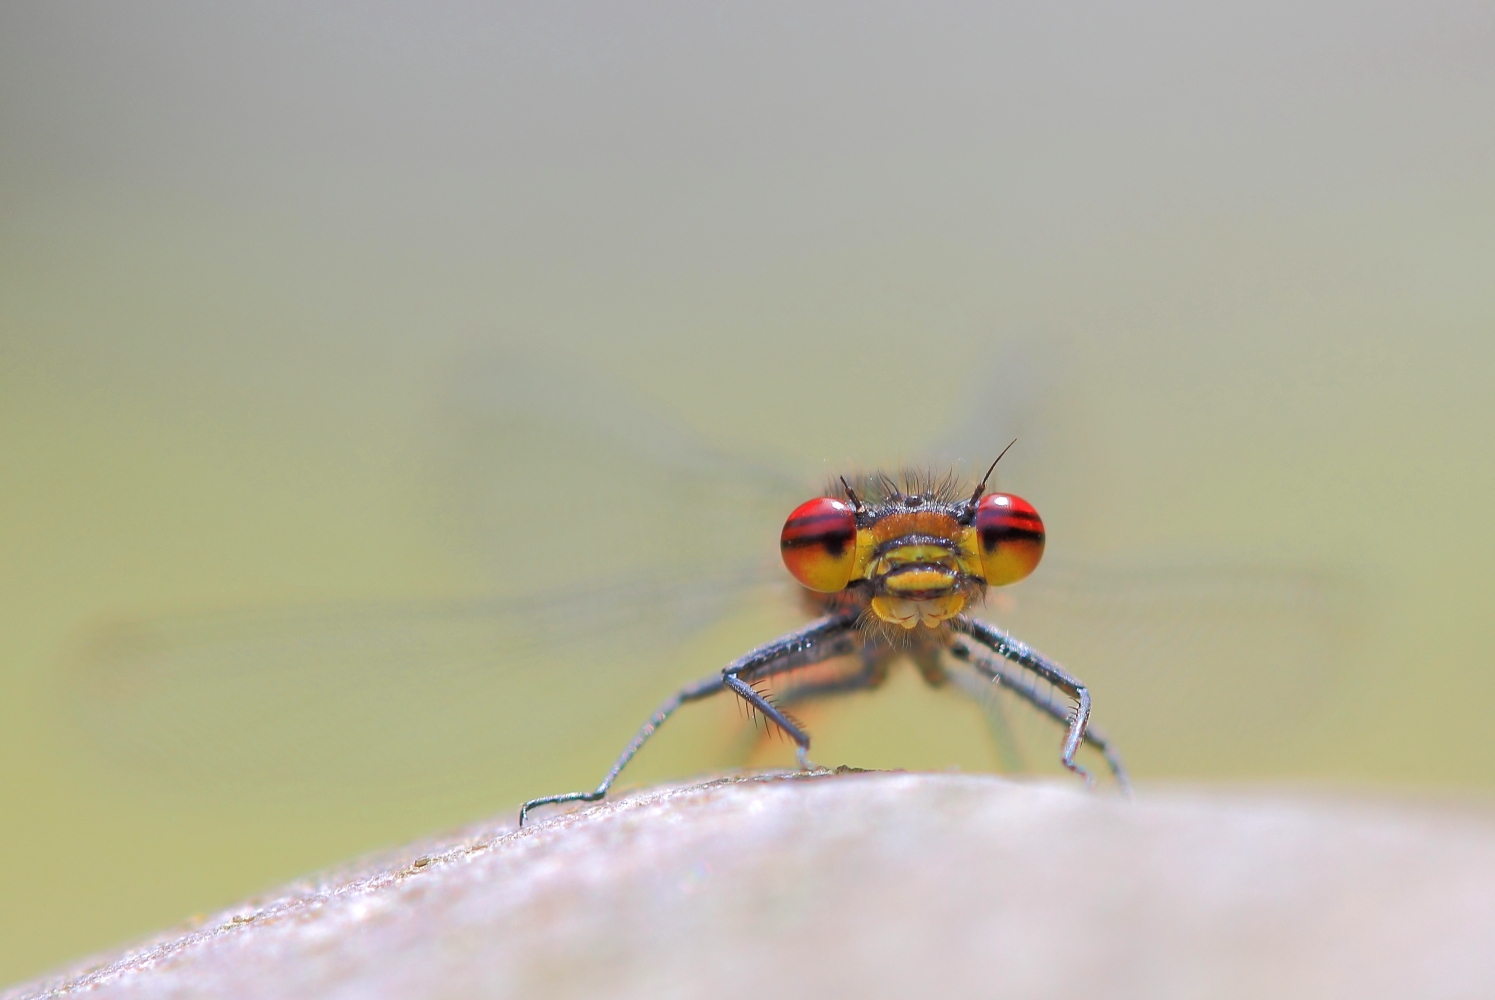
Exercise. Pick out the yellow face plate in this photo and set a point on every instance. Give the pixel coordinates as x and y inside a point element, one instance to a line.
<point>925,593</point>
<point>907,614</point>
<point>920,580</point>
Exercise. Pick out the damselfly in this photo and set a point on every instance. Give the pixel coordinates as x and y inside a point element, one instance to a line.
<point>611,553</point>
<point>892,564</point>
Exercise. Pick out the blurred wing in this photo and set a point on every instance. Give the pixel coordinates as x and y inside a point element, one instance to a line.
<point>1205,668</point>
<point>409,699</point>
<point>608,537</point>
<point>548,474</point>
<point>1198,669</point>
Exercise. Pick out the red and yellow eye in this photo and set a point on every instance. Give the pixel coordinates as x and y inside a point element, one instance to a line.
<point>1011,538</point>
<point>819,544</point>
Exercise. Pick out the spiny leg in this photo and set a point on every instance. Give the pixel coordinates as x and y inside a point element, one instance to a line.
<point>1029,692</point>
<point>872,672</point>
<point>1005,646</point>
<point>823,639</point>
<point>820,640</point>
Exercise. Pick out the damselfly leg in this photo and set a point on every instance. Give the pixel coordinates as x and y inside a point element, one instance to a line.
<point>994,672</point>
<point>822,639</point>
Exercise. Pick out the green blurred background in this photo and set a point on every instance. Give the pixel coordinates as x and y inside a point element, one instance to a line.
<point>1234,268</point>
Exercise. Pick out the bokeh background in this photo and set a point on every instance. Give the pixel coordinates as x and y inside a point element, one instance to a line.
<point>265,271</point>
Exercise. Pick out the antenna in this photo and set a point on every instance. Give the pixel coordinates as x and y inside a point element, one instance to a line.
<point>981,486</point>
<point>856,504</point>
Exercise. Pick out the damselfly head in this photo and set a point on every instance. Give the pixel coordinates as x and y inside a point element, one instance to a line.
<point>918,548</point>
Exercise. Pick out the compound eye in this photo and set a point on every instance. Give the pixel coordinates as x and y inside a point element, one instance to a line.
<point>819,544</point>
<point>1011,537</point>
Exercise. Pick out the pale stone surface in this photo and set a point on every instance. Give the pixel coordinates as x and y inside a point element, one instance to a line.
<point>871,885</point>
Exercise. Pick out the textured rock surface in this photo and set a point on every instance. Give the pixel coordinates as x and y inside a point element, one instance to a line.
<point>871,885</point>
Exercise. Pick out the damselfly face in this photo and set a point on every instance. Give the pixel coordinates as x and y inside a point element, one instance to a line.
<point>917,550</point>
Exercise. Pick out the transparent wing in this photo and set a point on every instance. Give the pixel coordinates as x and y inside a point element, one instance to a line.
<point>412,699</point>
<point>542,468</point>
<point>1202,669</point>
<point>608,539</point>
